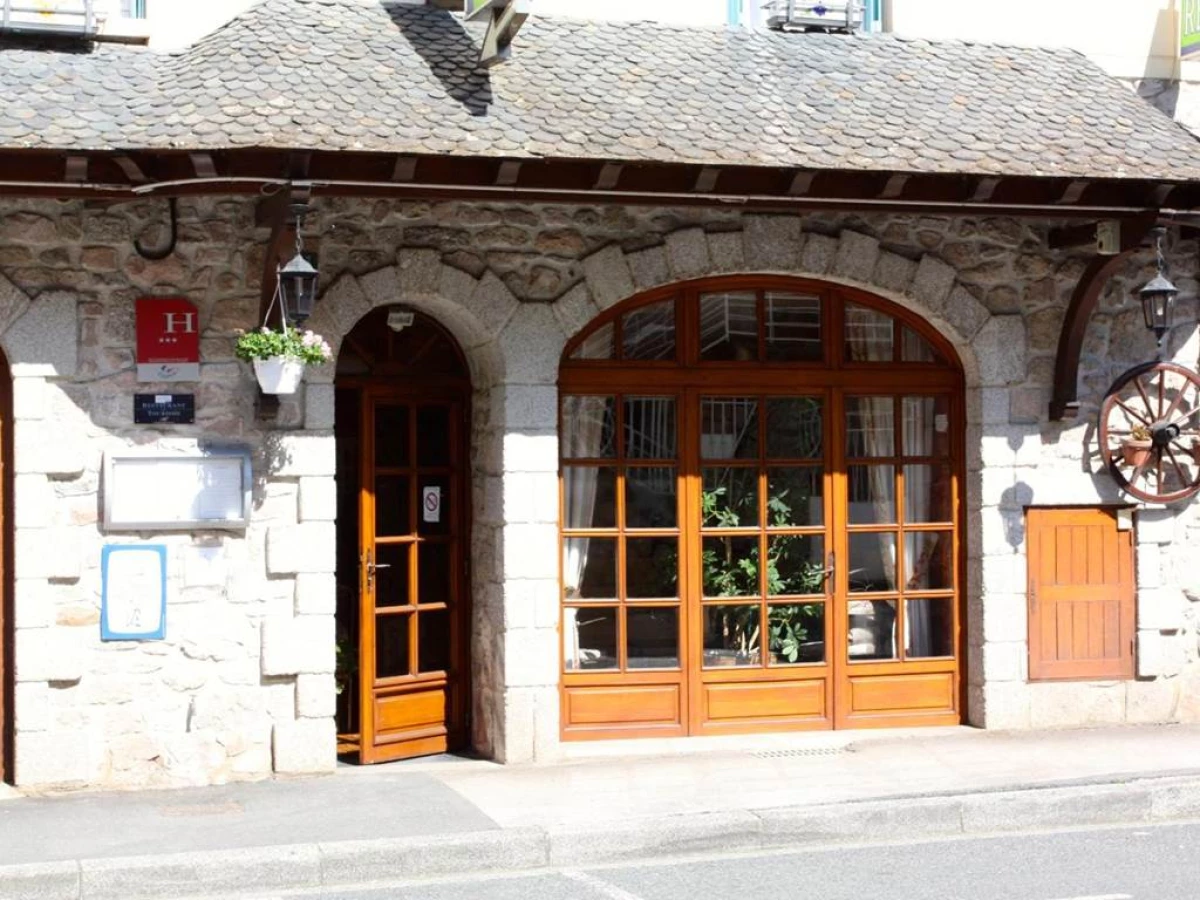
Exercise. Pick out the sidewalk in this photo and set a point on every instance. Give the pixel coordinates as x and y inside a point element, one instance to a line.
<point>603,802</point>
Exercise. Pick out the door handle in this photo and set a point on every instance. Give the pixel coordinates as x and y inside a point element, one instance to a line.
<point>371,566</point>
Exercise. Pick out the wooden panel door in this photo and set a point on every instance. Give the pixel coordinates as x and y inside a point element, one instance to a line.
<point>897,552</point>
<point>413,576</point>
<point>1081,595</point>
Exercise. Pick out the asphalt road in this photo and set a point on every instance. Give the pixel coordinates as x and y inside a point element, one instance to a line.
<point>1127,863</point>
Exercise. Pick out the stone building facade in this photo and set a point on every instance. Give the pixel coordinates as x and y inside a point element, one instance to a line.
<point>243,685</point>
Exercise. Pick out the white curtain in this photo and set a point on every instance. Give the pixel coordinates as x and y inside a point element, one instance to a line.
<point>869,338</point>
<point>583,430</point>
<point>917,427</point>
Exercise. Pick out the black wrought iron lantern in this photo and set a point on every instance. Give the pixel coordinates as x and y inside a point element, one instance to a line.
<point>1158,296</point>
<point>296,280</point>
<point>298,286</point>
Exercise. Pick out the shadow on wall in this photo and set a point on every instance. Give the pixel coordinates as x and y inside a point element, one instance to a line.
<point>452,55</point>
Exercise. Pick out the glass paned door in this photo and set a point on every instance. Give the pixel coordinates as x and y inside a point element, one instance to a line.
<point>413,576</point>
<point>896,590</point>
<point>763,559</point>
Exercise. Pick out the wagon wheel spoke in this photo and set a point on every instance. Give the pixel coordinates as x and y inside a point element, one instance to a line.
<point>1174,405</point>
<point>1133,412</point>
<point>1137,383</point>
<point>1162,392</point>
<point>1183,479</point>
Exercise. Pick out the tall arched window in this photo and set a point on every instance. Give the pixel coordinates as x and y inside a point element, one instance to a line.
<point>760,513</point>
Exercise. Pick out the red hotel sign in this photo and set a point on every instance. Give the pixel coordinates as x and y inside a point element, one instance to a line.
<point>168,339</point>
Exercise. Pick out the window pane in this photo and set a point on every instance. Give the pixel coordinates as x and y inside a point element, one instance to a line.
<point>391,574</point>
<point>391,645</point>
<point>433,436</point>
<point>914,348</point>
<point>872,629</point>
<point>590,496</point>
<point>434,575</point>
<point>927,494</point>
<point>732,636</point>
<point>600,344</point>
<point>797,633</point>
<point>730,567</point>
<point>869,335</point>
<point>793,328</point>
<point>590,637</point>
<point>650,428</point>
<point>795,565</point>
<point>650,500</point>
<point>729,326</point>
<point>391,436</point>
<point>795,428</point>
<point>652,568</point>
<point>652,637</point>
<point>870,426</point>
<point>729,498</point>
<point>433,641</point>
<point>590,568</point>
<point>928,560</point>
<point>872,494</point>
<point>926,426</point>
<point>729,428</point>
<point>589,426</point>
<point>795,496</point>
<point>649,332</point>
<point>392,513</point>
<point>928,627</point>
<point>872,562</point>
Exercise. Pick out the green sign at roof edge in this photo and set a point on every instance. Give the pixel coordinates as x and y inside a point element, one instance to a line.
<point>1189,27</point>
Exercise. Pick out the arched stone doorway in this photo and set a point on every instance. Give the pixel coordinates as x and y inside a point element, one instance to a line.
<point>402,395</point>
<point>762,514</point>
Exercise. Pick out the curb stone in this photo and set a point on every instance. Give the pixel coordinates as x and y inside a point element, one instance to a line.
<point>352,863</point>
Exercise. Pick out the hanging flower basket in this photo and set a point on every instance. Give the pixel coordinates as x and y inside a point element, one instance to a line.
<point>279,357</point>
<point>279,374</point>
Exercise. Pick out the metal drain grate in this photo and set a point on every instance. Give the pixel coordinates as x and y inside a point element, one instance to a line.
<point>799,752</point>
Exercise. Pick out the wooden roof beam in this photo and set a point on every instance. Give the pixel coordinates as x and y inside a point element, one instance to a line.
<point>131,169</point>
<point>609,177</point>
<point>706,180</point>
<point>508,173</point>
<point>985,189</point>
<point>203,165</point>
<point>894,187</point>
<point>76,169</point>
<point>801,184</point>
<point>1074,191</point>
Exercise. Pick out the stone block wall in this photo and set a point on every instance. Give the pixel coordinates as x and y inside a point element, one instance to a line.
<point>243,684</point>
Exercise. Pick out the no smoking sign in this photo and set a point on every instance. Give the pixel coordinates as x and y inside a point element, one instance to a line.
<point>431,503</point>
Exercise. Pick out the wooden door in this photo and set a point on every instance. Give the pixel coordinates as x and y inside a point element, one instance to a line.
<point>413,597</point>
<point>897,557</point>
<point>1081,595</point>
<point>759,522</point>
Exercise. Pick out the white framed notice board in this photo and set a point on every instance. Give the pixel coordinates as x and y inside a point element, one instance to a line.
<point>176,492</point>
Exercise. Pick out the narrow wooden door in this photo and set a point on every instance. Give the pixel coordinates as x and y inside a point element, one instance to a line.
<point>413,689</point>
<point>1081,595</point>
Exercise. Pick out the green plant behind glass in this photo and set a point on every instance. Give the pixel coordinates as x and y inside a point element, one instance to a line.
<point>726,574</point>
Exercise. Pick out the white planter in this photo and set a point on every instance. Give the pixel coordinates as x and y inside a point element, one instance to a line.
<point>279,374</point>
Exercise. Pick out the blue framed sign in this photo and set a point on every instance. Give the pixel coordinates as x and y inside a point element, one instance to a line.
<point>133,596</point>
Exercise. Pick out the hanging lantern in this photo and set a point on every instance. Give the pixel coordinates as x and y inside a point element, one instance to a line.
<point>1158,305</point>
<point>298,286</point>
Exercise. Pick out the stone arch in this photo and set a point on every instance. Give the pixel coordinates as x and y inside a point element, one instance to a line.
<point>990,348</point>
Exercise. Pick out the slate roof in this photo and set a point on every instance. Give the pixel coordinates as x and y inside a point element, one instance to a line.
<point>360,75</point>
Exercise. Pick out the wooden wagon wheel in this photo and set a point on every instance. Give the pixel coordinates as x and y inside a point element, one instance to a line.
<point>1150,432</point>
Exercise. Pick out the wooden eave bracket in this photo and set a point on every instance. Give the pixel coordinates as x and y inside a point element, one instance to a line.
<point>274,212</point>
<point>1064,401</point>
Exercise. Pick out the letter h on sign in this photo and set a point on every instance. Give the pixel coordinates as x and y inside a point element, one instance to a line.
<point>168,339</point>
